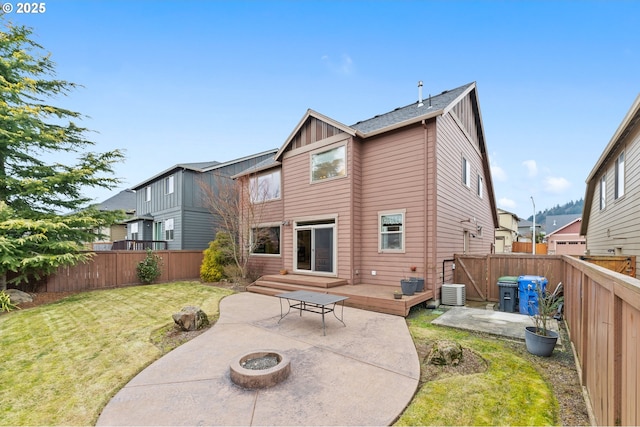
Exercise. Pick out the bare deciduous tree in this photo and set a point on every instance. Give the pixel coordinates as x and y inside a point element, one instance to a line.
<point>238,207</point>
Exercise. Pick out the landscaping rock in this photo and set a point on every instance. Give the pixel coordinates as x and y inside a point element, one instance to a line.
<point>445,353</point>
<point>18,297</point>
<point>191,318</point>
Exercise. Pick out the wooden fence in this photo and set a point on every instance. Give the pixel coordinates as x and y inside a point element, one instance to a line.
<point>527,248</point>
<point>480,273</point>
<point>112,269</point>
<point>602,314</point>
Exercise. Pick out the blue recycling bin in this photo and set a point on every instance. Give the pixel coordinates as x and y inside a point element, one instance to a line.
<point>528,293</point>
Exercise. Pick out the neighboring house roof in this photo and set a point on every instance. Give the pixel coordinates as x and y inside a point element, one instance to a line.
<point>554,222</point>
<point>125,200</point>
<point>269,163</point>
<point>628,123</point>
<point>560,230</point>
<point>197,167</point>
<point>502,211</point>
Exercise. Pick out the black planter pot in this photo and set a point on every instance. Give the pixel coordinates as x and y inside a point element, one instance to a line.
<point>540,345</point>
<point>408,287</point>
<point>419,283</point>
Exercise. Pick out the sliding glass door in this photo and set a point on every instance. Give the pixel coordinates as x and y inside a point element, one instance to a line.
<point>315,246</point>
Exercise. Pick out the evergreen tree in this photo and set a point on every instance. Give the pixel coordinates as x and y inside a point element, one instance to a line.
<point>37,234</point>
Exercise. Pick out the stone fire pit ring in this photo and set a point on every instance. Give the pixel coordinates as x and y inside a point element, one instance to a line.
<point>260,378</point>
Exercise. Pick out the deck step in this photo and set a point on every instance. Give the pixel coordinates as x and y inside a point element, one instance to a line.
<point>367,297</point>
<point>299,279</point>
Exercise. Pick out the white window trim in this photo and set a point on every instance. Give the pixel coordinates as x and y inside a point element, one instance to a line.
<point>168,226</point>
<point>169,182</point>
<point>267,225</point>
<point>324,150</point>
<point>603,192</point>
<point>147,193</point>
<point>466,172</point>
<point>480,187</point>
<point>402,212</point>
<point>619,176</point>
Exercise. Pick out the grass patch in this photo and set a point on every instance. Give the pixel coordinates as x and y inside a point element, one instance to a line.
<point>62,362</point>
<point>509,392</point>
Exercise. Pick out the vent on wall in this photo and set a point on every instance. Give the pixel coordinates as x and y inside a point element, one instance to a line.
<point>453,294</point>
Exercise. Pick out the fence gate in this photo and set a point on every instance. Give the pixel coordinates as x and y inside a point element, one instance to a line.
<point>472,271</point>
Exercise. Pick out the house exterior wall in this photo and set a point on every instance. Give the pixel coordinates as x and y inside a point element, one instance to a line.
<point>507,233</point>
<point>615,230</point>
<point>269,214</point>
<point>304,200</point>
<point>460,211</point>
<point>393,179</point>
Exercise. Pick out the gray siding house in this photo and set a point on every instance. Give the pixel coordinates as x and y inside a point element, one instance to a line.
<point>171,206</point>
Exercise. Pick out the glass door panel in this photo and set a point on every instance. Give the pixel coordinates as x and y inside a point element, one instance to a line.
<point>323,248</point>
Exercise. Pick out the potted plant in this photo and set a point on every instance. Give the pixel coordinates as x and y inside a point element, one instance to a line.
<point>397,294</point>
<point>539,339</point>
<point>408,286</point>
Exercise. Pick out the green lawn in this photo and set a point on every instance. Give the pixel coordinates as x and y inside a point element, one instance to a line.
<point>509,392</point>
<point>62,362</point>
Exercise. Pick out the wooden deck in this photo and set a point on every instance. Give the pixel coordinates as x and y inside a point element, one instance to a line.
<point>365,296</point>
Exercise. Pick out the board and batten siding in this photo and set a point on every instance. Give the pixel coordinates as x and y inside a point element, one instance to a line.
<point>459,208</point>
<point>159,199</point>
<point>393,179</point>
<point>304,199</point>
<point>615,230</point>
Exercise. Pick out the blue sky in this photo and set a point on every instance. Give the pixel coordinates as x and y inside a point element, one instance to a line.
<point>187,81</point>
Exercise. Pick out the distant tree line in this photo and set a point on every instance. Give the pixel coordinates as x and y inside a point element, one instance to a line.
<point>566,209</point>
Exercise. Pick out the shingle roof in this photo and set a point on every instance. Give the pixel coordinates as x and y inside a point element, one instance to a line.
<point>411,111</point>
<point>125,200</point>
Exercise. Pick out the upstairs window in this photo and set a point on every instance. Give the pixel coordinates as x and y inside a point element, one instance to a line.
<point>329,164</point>
<point>391,226</point>
<point>168,185</point>
<point>619,190</point>
<point>603,192</point>
<point>265,187</point>
<point>147,193</point>
<point>466,172</point>
<point>480,187</point>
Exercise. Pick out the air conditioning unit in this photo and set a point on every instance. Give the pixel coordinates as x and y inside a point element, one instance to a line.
<point>453,294</point>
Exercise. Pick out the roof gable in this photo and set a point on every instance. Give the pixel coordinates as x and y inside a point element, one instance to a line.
<point>572,227</point>
<point>312,127</point>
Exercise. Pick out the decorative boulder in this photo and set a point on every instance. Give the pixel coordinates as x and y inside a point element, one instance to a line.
<point>445,353</point>
<point>191,318</point>
<point>18,297</point>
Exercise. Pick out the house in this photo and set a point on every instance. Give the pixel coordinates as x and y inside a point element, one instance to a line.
<point>507,231</point>
<point>567,240</point>
<point>610,217</point>
<point>554,222</point>
<point>171,207</point>
<point>524,230</point>
<point>125,201</point>
<point>365,203</point>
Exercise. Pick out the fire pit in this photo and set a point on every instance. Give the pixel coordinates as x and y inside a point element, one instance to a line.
<point>260,369</point>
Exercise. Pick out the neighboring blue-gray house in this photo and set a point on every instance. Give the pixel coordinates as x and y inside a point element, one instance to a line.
<point>171,206</point>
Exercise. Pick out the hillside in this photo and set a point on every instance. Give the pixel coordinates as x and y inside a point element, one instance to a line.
<point>566,209</point>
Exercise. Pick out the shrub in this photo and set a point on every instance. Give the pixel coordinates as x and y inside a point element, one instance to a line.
<point>149,269</point>
<point>216,257</point>
<point>5,302</point>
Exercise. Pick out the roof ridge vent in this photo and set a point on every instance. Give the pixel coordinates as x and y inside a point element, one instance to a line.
<point>420,104</point>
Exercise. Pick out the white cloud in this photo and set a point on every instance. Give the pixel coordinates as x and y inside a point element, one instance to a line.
<point>531,166</point>
<point>556,185</point>
<point>344,66</point>
<point>506,203</point>
<point>498,173</point>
